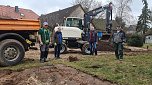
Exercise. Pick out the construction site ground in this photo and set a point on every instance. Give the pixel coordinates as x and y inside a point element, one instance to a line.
<point>53,74</point>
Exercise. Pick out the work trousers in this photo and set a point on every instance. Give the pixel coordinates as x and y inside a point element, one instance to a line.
<point>57,51</point>
<point>118,50</point>
<point>44,52</point>
<point>93,48</point>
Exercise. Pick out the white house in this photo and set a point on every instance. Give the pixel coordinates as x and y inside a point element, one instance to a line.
<point>148,39</point>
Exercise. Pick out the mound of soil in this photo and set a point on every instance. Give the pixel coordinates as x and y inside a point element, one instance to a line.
<point>49,75</point>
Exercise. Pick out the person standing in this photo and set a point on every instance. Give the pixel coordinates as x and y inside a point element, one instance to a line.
<point>119,38</point>
<point>93,41</point>
<point>57,39</point>
<point>44,40</point>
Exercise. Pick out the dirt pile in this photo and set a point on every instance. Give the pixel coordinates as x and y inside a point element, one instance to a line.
<point>72,59</point>
<point>49,75</point>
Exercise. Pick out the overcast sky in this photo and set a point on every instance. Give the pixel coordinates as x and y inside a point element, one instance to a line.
<point>47,6</point>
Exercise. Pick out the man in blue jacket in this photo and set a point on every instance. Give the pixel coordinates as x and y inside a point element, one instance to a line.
<point>57,38</point>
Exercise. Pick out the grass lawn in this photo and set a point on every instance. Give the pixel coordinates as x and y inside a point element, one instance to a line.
<point>26,64</point>
<point>133,70</point>
<point>149,46</point>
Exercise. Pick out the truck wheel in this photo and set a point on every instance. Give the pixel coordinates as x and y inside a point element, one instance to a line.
<point>86,49</point>
<point>11,52</point>
<point>63,48</point>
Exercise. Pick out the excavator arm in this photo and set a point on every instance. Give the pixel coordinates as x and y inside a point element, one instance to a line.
<point>88,16</point>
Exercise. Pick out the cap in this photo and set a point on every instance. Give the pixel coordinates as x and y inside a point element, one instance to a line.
<point>45,23</point>
<point>59,28</point>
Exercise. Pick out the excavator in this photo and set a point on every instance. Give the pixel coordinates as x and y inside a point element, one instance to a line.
<point>75,26</point>
<point>89,15</point>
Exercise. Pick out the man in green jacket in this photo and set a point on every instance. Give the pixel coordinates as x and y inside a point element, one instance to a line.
<point>44,40</point>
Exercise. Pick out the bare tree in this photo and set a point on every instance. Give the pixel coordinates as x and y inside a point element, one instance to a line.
<point>88,4</point>
<point>151,15</point>
<point>122,9</point>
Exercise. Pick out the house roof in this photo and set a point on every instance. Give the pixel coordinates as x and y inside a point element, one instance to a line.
<point>7,12</point>
<point>58,16</point>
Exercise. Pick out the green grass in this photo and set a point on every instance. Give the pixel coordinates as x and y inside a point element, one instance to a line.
<point>25,64</point>
<point>149,46</point>
<point>133,70</point>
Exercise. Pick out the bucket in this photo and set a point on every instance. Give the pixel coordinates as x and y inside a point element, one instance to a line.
<point>99,34</point>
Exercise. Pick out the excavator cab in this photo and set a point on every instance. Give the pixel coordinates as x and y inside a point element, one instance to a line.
<point>74,22</point>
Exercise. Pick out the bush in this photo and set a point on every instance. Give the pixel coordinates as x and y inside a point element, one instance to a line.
<point>135,40</point>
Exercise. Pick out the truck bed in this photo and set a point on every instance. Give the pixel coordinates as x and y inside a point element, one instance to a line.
<point>19,24</point>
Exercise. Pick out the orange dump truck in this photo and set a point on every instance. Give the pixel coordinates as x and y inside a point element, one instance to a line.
<point>16,36</point>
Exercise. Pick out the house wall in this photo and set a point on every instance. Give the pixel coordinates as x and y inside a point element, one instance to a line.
<point>148,39</point>
<point>131,32</point>
<point>78,13</point>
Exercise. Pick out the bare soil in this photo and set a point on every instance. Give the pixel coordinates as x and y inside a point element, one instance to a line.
<point>49,75</point>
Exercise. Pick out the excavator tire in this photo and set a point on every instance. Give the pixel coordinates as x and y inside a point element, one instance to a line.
<point>63,48</point>
<point>86,49</point>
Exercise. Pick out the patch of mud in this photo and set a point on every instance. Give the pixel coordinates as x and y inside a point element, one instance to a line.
<point>49,75</point>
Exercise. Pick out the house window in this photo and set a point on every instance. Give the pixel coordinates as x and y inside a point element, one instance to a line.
<point>21,14</point>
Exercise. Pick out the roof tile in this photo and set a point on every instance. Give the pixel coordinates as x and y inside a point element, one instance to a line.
<point>7,12</point>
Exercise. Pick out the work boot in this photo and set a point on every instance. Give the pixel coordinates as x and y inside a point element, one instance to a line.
<point>91,53</point>
<point>45,60</point>
<point>58,57</point>
<point>42,56</point>
<point>95,51</point>
<point>45,56</point>
<point>42,60</point>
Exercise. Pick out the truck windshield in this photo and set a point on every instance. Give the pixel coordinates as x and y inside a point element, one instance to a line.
<point>74,22</point>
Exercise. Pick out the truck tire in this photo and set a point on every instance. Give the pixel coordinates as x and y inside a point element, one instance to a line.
<point>86,49</point>
<point>11,52</point>
<point>63,48</point>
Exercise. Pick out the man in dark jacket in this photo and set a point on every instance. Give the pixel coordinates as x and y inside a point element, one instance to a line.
<point>57,38</point>
<point>92,38</point>
<point>119,39</point>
